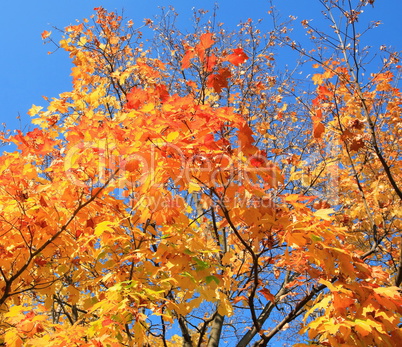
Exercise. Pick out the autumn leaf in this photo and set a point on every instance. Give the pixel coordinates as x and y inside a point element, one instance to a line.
<point>45,34</point>
<point>136,98</point>
<point>185,62</point>
<point>356,144</point>
<point>324,213</point>
<point>237,57</point>
<point>219,80</point>
<point>317,79</point>
<point>34,110</point>
<point>318,128</point>
<point>206,41</point>
<point>102,227</point>
<point>267,294</point>
<point>323,90</point>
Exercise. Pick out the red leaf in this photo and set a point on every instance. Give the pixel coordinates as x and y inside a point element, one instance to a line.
<point>42,201</point>
<point>40,261</point>
<point>211,62</point>
<point>237,57</point>
<point>219,80</point>
<point>29,315</point>
<point>356,144</point>
<point>107,321</point>
<point>209,141</point>
<point>90,223</point>
<point>136,98</point>
<point>162,92</point>
<point>323,90</point>
<point>257,161</point>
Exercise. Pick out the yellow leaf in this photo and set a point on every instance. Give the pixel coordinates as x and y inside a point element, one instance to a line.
<point>82,41</point>
<point>365,328</point>
<point>331,328</point>
<point>225,308</point>
<point>324,213</point>
<point>172,136</point>
<point>317,79</point>
<point>102,227</point>
<point>34,110</point>
<point>95,96</point>
<point>12,339</point>
<point>193,187</point>
<point>330,286</point>
<point>392,292</point>
<point>49,301</point>
<point>296,175</point>
<point>14,311</point>
<point>292,198</point>
<point>148,107</point>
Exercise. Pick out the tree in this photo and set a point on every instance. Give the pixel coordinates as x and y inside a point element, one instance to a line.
<point>184,192</point>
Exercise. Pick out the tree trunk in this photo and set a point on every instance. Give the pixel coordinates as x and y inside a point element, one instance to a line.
<point>216,330</point>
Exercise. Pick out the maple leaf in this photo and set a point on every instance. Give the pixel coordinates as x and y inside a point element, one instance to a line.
<point>257,161</point>
<point>246,139</point>
<point>324,91</point>
<point>267,294</point>
<point>237,57</point>
<point>45,34</point>
<point>185,62</point>
<point>136,98</point>
<point>206,41</point>
<point>356,144</point>
<point>34,110</point>
<point>318,129</point>
<point>317,79</point>
<point>219,80</point>
<point>323,213</point>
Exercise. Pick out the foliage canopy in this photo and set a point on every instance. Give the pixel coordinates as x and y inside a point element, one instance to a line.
<point>188,192</point>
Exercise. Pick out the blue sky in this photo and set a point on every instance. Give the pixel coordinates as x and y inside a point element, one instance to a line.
<point>28,72</point>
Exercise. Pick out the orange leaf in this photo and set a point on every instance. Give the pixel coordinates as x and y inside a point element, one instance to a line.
<point>245,138</point>
<point>206,41</point>
<point>185,62</point>
<point>323,90</point>
<point>239,298</point>
<point>45,34</point>
<point>211,62</point>
<point>237,57</point>
<point>318,113</point>
<point>318,130</point>
<point>219,80</point>
<point>107,321</point>
<point>267,294</point>
<point>136,98</point>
